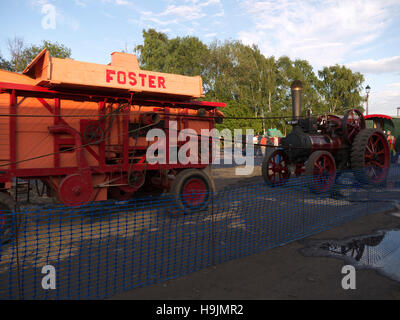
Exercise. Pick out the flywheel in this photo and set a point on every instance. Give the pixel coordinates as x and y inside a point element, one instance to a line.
<point>75,190</point>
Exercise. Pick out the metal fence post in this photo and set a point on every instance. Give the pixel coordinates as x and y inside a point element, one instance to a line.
<point>212,232</point>
<point>16,220</point>
<point>303,214</point>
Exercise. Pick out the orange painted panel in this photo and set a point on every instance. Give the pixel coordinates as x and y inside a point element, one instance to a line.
<point>12,77</point>
<point>4,128</point>
<point>32,134</point>
<point>123,74</point>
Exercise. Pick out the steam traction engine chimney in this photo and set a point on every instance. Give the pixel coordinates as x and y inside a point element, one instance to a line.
<point>297,143</point>
<point>297,88</point>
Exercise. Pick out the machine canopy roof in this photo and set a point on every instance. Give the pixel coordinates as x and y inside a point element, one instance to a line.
<point>378,116</point>
<point>383,117</point>
<point>122,74</point>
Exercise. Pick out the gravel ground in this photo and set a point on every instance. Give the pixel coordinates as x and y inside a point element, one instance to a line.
<point>283,272</point>
<point>102,252</point>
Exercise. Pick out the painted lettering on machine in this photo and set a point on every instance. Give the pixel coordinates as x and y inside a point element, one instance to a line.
<point>135,79</point>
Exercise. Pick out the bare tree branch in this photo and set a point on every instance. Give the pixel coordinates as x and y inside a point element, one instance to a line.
<point>15,47</point>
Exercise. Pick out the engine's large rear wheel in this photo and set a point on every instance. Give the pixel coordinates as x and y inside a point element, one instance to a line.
<point>370,157</point>
<point>275,167</point>
<point>191,190</point>
<point>321,170</point>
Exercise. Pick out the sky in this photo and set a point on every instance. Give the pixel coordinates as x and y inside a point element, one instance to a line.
<point>363,35</point>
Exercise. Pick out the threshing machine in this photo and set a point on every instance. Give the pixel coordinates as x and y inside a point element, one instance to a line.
<point>81,129</point>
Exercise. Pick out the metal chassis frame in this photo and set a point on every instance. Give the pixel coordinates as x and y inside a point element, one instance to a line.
<point>41,93</point>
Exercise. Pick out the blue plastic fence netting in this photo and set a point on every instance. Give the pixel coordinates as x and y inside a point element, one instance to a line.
<point>104,248</point>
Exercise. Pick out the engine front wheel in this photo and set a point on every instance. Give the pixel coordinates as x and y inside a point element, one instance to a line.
<point>275,167</point>
<point>321,170</point>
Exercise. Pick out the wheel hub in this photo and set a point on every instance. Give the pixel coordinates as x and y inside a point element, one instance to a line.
<point>194,191</point>
<point>75,190</point>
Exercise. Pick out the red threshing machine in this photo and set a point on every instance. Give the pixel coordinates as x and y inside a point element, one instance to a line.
<point>81,129</point>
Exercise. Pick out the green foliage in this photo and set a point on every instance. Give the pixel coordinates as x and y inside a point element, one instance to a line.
<point>340,88</point>
<point>20,59</point>
<point>252,85</point>
<point>4,64</point>
<point>186,56</point>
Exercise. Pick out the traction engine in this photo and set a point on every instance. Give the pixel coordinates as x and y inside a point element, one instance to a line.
<point>321,146</point>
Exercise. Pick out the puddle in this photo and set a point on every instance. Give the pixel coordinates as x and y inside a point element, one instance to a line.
<point>379,251</point>
<point>396,214</point>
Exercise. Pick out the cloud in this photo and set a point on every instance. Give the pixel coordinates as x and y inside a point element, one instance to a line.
<point>80,3</point>
<point>121,2</point>
<point>150,17</point>
<point>117,2</point>
<point>323,32</point>
<point>38,2</point>
<point>385,101</point>
<point>379,66</point>
<point>185,14</point>
<point>108,15</point>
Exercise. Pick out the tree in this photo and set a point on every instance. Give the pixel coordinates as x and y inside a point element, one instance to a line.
<point>252,85</point>
<point>341,88</point>
<point>185,55</point>
<point>303,71</point>
<point>5,64</point>
<point>21,57</point>
<point>154,50</point>
<point>15,47</point>
<point>271,81</point>
<point>234,77</point>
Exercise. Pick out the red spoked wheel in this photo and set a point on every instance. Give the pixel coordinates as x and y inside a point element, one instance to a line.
<point>370,157</point>
<point>353,123</point>
<point>275,167</point>
<point>321,169</point>
<point>191,190</point>
<point>93,134</point>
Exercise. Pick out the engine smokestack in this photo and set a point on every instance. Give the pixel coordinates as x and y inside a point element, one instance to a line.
<point>297,88</point>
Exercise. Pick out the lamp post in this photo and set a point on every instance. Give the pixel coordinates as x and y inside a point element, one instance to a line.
<point>367,90</point>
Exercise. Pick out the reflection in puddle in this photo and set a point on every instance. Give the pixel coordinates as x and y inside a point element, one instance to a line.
<point>380,251</point>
